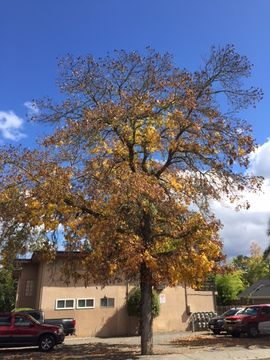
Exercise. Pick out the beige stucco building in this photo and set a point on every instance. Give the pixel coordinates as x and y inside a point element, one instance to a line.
<point>100,311</point>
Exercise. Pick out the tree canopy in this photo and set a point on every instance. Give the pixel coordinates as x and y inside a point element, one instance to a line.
<point>229,285</point>
<point>254,267</point>
<point>7,290</point>
<point>134,303</point>
<point>139,148</point>
<point>242,272</point>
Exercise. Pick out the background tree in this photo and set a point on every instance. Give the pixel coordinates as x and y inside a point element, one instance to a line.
<point>139,148</point>
<point>253,267</point>
<point>258,268</point>
<point>240,262</point>
<point>228,287</point>
<point>266,253</point>
<point>7,290</point>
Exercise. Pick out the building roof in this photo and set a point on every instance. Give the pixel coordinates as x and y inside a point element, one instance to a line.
<point>260,289</point>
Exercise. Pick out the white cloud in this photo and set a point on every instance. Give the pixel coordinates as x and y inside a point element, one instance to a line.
<point>32,107</point>
<point>241,228</point>
<point>11,126</point>
<point>260,160</point>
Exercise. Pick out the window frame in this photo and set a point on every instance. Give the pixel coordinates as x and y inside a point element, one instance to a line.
<point>27,321</point>
<point>85,307</point>
<point>29,288</point>
<point>65,307</point>
<point>5,323</point>
<point>107,299</point>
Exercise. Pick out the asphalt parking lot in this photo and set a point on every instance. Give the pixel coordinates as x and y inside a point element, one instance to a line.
<point>169,346</point>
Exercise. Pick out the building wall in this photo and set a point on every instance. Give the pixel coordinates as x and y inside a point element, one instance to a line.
<point>173,315</point>
<point>100,321</point>
<point>27,297</point>
<point>200,300</point>
<point>110,321</point>
<point>174,303</point>
<point>256,301</point>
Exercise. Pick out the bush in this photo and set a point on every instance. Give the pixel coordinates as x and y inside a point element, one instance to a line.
<point>134,300</point>
<point>7,290</point>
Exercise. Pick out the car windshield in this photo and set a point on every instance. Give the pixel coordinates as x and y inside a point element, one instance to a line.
<point>250,311</point>
<point>240,311</point>
<point>230,312</point>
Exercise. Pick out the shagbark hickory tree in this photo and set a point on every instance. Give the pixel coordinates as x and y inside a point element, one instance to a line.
<point>139,148</point>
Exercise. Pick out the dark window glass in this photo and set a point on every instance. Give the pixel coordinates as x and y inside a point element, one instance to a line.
<point>81,303</point>
<point>266,310</point>
<point>22,321</point>
<point>5,320</point>
<point>251,311</point>
<point>90,302</point>
<point>61,304</point>
<point>230,312</point>
<point>107,302</point>
<point>69,303</point>
<point>85,303</point>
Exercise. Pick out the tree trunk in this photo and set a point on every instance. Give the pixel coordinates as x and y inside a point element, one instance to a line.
<point>146,311</point>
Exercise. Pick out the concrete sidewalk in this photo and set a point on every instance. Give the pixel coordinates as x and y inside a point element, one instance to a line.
<point>236,354</point>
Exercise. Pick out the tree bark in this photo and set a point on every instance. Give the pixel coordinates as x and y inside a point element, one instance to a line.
<point>146,311</point>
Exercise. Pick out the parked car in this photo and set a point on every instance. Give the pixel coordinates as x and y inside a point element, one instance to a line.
<point>68,324</point>
<point>216,323</point>
<point>253,320</point>
<point>18,329</point>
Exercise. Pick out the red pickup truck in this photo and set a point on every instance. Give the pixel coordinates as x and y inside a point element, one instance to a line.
<point>68,324</point>
<point>18,329</point>
<point>253,320</point>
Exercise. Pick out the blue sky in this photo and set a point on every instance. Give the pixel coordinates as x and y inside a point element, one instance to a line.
<point>35,33</point>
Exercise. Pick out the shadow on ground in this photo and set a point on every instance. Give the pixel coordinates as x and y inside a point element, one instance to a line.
<point>95,351</point>
<point>173,344</point>
<point>222,341</point>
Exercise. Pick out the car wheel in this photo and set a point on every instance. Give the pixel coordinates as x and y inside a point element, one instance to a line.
<point>216,332</point>
<point>46,343</point>
<point>235,334</point>
<point>253,331</point>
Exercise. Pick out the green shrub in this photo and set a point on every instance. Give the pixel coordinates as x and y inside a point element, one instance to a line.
<point>134,300</point>
<point>7,290</point>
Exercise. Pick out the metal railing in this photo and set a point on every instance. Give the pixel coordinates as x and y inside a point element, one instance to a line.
<point>198,321</point>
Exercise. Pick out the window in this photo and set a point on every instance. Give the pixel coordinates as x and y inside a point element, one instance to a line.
<point>251,311</point>
<point>5,320</point>
<point>85,303</point>
<point>65,304</point>
<point>107,302</point>
<point>29,286</point>
<point>266,310</point>
<point>22,321</point>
